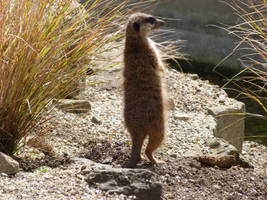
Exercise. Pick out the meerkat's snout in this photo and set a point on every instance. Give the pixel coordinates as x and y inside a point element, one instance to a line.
<point>143,23</point>
<point>160,23</point>
<point>153,23</point>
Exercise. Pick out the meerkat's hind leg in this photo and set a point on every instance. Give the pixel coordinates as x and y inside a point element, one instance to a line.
<point>137,143</point>
<point>154,142</point>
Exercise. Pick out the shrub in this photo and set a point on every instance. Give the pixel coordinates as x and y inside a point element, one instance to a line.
<point>251,30</point>
<point>44,46</point>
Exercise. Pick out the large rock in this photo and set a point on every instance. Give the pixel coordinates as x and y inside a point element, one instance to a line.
<point>230,121</point>
<point>220,153</point>
<point>8,165</point>
<point>219,146</point>
<point>223,161</point>
<point>131,182</point>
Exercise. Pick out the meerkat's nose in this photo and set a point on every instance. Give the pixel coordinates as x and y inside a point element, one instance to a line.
<point>161,22</point>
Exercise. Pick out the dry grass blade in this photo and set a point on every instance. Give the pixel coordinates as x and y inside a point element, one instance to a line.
<point>44,47</point>
<point>252,31</point>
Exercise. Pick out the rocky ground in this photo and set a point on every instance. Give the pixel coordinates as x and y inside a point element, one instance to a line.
<point>99,135</point>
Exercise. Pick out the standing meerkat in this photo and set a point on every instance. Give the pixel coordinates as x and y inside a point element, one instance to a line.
<point>144,104</point>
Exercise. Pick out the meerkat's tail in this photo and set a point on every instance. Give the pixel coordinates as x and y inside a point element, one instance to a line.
<point>154,142</point>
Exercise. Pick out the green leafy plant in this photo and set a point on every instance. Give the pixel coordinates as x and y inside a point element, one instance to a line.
<point>44,47</point>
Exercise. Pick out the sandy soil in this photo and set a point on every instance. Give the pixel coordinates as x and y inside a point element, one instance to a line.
<point>100,136</point>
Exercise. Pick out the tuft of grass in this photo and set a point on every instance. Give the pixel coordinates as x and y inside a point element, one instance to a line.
<point>45,46</point>
<point>252,32</point>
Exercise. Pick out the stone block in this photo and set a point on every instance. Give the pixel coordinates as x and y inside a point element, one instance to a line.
<point>73,105</point>
<point>8,165</point>
<point>230,123</point>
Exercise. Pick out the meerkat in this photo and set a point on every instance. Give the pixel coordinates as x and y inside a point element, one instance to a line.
<point>144,103</point>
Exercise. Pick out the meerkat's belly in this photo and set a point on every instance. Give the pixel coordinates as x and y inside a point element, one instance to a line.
<point>143,103</point>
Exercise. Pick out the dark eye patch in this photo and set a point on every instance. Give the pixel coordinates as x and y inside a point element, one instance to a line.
<point>151,20</point>
<point>136,26</point>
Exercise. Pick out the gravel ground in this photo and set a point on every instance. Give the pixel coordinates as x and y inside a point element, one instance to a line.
<point>101,136</point>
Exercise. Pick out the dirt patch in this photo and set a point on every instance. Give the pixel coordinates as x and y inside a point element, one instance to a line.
<point>106,153</point>
<point>185,177</point>
<point>52,161</point>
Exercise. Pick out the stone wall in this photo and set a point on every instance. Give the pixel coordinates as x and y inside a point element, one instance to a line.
<point>197,23</point>
<point>200,24</point>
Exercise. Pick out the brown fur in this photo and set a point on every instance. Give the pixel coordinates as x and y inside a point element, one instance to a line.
<point>144,109</point>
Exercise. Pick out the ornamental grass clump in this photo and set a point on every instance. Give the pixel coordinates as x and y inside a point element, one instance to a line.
<point>252,32</point>
<point>45,46</point>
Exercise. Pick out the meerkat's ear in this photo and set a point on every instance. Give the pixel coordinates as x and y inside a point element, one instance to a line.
<point>136,26</point>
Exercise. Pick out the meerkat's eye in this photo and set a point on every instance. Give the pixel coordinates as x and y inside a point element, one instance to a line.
<point>151,20</point>
<point>136,26</point>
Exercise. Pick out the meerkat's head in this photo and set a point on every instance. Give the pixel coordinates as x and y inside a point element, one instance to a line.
<point>141,24</point>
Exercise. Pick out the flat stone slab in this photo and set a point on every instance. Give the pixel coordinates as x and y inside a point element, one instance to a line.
<point>73,105</point>
<point>230,121</point>
<point>140,183</point>
<point>131,182</point>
